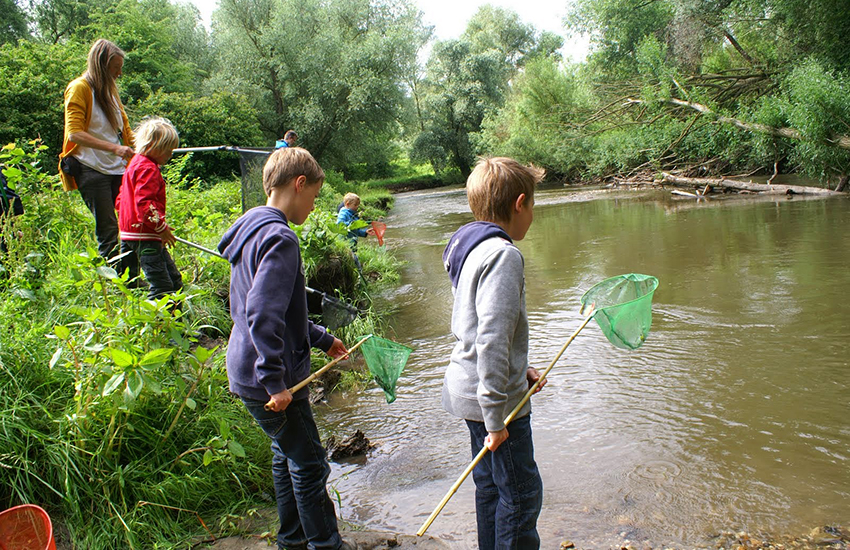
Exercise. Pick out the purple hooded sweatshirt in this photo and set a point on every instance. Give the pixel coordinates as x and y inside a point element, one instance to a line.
<point>269,347</point>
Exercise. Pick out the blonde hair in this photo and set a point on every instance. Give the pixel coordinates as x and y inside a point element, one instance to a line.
<point>496,183</point>
<point>351,198</point>
<point>288,163</point>
<point>101,80</point>
<point>156,134</point>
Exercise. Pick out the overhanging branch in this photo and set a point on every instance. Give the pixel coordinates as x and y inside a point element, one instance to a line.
<point>836,140</point>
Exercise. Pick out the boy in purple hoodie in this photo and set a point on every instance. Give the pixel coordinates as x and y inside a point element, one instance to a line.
<point>488,373</point>
<point>269,347</point>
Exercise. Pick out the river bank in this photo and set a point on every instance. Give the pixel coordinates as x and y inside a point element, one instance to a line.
<point>820,538</point>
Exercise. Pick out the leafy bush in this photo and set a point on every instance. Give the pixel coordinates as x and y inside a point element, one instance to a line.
<point>117,417</point>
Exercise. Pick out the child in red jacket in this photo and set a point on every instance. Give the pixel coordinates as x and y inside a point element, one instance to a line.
<point>141,208</point>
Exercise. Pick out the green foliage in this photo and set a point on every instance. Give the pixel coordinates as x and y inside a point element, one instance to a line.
<point>33,78</point>
<point>14,25</point>
<point>617,27</point>
<point>814,100</point>
<point>466,79</point>
<point>109,402</point>
<point>218,119</point>
<point>332,70</point>
<point>535,125</point>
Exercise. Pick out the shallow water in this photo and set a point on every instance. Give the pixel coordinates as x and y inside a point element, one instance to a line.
<point>732,415</point>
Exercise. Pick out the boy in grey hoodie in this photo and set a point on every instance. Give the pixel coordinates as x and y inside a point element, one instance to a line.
<point>488,373</point>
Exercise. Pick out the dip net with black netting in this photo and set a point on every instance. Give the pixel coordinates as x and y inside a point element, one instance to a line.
<point>251,163</point>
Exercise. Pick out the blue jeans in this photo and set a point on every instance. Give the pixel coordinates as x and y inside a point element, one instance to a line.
<point>300,470</point>
<point>508,489</point>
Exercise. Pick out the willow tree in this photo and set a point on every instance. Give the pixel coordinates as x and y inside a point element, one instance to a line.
<point>468,78</point>
<point>332,70</point>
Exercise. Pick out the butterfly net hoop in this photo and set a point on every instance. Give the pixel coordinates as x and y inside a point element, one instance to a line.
<point>623,308</point>
<point>380,228</point>
<point>386,360</point>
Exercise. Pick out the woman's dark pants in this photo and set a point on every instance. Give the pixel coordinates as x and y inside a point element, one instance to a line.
<point>508,489</point>
<point>300,470</point>
<point>99,192</point>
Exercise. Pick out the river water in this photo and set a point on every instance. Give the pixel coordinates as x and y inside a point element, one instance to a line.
<point>734,415</point>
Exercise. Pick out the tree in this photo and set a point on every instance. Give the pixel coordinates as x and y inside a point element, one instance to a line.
<point>332,70</point>
<point>468,78</point>
<point>616,27</point>
<point>14,26</point>
<point>33,78</point>
<point>59,20</point>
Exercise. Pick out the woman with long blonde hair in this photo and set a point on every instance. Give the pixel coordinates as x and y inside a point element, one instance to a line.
<point>98,142</point>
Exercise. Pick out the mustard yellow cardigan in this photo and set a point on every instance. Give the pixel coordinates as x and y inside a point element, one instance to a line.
<point>78,109</point>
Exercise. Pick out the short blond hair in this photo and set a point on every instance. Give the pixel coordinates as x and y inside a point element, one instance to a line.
<point>351,198</point>
<point>156,134</point>
<point>288,163</point>
<point>496,183</point>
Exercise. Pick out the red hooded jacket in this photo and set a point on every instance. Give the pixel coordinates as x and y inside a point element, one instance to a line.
<point>141,202</point>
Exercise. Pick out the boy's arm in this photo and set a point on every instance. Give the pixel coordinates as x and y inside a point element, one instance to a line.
<point>497,304</point>
<point>319,336</point>
<point>265,305</point>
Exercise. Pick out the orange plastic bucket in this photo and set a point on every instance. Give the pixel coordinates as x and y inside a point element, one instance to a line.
<point>380,228</point>
<point>26,527</point>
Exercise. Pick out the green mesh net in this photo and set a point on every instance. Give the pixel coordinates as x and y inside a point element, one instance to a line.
<point>386,360</point>
<point>623,308</point>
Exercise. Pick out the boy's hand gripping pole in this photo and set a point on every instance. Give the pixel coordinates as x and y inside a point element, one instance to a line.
<point>299,385</point>
<point>508,420</point>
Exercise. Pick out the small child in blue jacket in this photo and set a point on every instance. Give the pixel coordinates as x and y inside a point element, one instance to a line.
<point>348,215</point>
<point>269,347</point>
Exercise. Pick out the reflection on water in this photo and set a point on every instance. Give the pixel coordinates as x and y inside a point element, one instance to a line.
<point>733,415</point>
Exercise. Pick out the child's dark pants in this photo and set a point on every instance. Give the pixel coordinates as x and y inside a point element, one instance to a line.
<point>159,268</point>
<point>300,470</point>
<point>508,489</point>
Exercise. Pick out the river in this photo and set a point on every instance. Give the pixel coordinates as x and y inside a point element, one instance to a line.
<point>732,416</point>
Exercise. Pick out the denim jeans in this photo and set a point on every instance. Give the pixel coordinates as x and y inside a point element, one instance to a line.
<point>508,489</point>
<point>159,267</point>
<point>300,470</point>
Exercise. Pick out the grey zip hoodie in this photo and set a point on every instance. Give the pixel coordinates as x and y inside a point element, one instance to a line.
<point>486,376</point>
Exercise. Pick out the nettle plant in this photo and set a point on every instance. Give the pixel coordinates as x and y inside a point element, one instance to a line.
<point>135,364</point>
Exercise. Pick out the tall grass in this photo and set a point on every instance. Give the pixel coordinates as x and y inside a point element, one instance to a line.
<point>116,416</point>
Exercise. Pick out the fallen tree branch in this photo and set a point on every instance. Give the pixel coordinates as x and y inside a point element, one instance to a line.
<point>842,142</point>
<point>746,185</point>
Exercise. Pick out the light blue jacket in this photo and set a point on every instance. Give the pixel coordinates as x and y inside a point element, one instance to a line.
<point>348,216</point>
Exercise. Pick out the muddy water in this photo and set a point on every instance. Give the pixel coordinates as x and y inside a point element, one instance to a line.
<point>735,414</point>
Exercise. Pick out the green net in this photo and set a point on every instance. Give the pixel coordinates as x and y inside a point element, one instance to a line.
<point>623,308</point>
<point>385,360</point>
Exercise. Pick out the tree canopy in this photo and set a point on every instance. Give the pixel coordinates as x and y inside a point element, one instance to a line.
<point>352,78</point>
